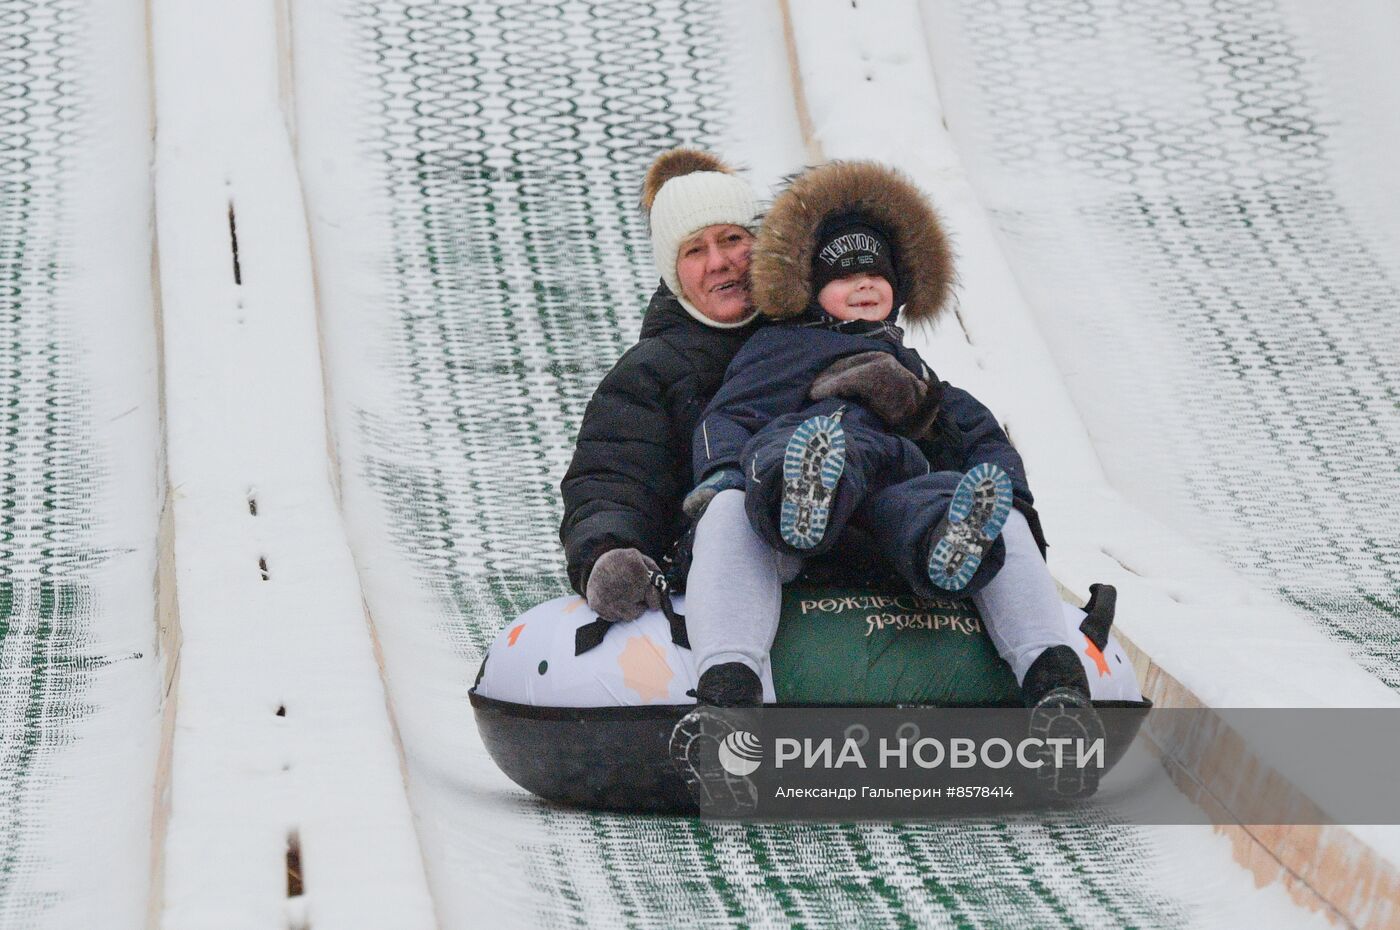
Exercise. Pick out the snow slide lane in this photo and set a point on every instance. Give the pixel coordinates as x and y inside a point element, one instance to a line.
<point>287,806</point>
<point>471,175</point>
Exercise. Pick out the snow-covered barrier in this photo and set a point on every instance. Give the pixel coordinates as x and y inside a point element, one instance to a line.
<point>287,803</point>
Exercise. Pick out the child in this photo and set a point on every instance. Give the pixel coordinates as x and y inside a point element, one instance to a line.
<point>946,504</point>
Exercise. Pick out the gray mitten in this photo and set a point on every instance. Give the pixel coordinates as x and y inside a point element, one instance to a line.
<point>723,480</point>
<point>619,587</point>
<point>892,392</point>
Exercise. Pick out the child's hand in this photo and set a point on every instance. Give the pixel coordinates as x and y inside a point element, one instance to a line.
<point>723,480</point>
<point>877,381</point>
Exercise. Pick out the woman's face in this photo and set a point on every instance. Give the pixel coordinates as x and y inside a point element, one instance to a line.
<point>713,267</point>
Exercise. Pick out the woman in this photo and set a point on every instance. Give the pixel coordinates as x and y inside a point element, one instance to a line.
<point>632,466</point>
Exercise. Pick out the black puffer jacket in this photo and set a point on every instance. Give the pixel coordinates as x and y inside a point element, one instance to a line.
<point>631,468</point>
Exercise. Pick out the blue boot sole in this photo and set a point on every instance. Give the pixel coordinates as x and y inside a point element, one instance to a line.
<point>812,465</point>
<point>981,504</point>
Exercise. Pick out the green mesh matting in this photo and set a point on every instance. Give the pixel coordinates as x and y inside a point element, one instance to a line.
<point>1188,153</point>
<point>50,468</point>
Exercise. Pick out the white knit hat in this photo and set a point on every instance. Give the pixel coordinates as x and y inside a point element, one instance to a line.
<point>687,191</point>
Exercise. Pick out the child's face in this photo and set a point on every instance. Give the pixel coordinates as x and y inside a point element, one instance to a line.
<point>858,297</point>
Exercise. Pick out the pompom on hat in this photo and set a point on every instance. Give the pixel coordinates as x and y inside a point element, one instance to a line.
<point>686,190</point>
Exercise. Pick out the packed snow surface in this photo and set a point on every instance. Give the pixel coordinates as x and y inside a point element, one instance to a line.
<point>398,248</point>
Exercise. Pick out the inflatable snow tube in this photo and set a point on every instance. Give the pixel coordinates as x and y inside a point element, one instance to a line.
<point>580,712</point>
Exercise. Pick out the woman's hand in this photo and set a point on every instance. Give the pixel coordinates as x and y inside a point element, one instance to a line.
<point>619,587</point>
<point>886,388</point>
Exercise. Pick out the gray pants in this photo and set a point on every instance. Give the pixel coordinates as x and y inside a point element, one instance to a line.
<point>734,593</point>
<point>1020,604</point>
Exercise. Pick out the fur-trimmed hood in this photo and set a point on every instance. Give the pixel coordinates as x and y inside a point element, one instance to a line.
<point>885,198</point>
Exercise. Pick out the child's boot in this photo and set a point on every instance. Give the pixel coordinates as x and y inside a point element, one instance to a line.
<point>729,684</point>
<point>812,465</point>
<point>981,504</point>
<point>705,737</point>
<point>1057,691</point>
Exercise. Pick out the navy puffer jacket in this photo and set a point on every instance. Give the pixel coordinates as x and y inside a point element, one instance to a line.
<point>772,373</point>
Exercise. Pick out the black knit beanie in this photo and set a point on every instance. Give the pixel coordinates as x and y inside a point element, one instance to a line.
<point>847,244</point>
